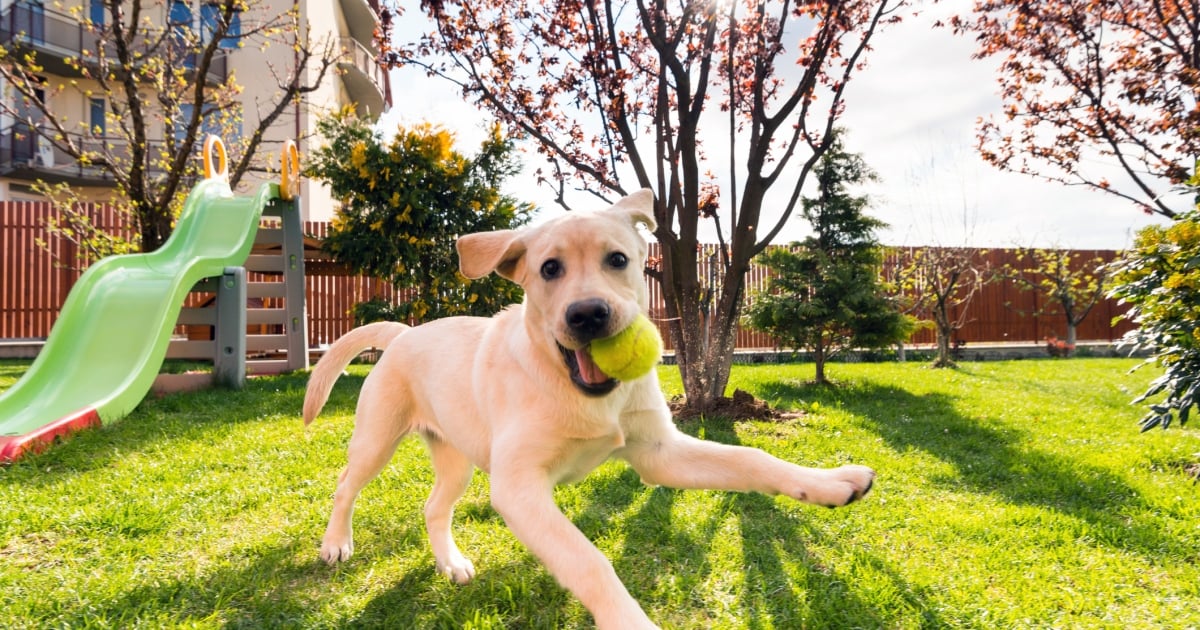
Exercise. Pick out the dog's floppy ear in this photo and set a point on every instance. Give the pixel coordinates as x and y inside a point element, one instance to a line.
<point>482,253</point>
<point>639,207</point>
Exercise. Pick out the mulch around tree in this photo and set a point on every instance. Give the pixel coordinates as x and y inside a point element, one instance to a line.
<point>741,406</point>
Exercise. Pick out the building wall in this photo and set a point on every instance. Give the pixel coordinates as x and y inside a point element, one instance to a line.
<point>258,70</point>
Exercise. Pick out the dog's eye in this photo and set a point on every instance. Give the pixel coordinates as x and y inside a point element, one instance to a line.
<point>617,260</point>
<point>551,269</point>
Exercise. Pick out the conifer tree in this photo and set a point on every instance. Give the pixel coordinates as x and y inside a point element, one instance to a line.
<point>826,294</point>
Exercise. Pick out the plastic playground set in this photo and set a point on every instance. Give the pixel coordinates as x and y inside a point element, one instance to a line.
<point>119,321</point>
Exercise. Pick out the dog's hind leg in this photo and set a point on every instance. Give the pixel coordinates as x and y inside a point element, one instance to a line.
<point>377,433</point>
<point>453,473</point>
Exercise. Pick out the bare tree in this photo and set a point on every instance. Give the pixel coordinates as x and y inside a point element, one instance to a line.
<point>951,277</point>
<point>900,276</point>
<point>1069,282</point>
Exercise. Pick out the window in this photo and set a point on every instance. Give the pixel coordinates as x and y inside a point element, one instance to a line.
<point>210,21</point>
<point>180,18</point>
<point>27,109</point>
<point>180,22</point>
<point>98,110</point>
<point>28,116</point>
<point>96,12</point>
<point>30,18</point>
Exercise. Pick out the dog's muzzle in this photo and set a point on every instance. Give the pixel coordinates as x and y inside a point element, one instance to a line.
<point>588,319</point>
<point>585,374</point>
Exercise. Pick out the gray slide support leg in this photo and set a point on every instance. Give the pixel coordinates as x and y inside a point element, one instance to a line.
<point>229,365</point>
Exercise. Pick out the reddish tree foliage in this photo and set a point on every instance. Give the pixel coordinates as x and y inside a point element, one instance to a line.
<point>1086,82</point>
<point>619,96</point>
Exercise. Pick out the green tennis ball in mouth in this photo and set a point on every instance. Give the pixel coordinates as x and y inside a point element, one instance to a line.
<point>631,353</point>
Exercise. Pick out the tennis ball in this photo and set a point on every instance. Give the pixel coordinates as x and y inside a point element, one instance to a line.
<point>631,353</point>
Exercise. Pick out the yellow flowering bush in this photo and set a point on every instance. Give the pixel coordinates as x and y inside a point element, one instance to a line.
<point>404,201</point>
<point>1160,279</point>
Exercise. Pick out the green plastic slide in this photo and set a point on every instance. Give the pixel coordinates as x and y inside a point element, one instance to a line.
<point>111,337</point>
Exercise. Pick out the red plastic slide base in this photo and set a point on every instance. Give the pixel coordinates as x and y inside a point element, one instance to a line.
<point>13,448</point>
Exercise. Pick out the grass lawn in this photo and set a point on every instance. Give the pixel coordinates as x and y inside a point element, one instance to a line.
<point>1010,494</point>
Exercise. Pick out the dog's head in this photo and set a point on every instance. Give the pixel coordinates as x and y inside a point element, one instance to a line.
<point>582,276</point>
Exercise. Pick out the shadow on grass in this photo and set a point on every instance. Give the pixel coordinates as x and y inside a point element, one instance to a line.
<point>517,595</point>
<point>269,586</point>
<point>12,369</point>
<point>287,586</point>
<point>993,461</point>
<point>783,585</point>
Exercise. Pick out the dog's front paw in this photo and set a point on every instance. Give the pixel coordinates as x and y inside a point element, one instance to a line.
<point>459,569</point>
<point>851,483</point>
<point>334,551</point>
<point>833,487</point>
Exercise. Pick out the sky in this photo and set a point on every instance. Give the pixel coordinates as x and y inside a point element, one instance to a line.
<point>911,114</point>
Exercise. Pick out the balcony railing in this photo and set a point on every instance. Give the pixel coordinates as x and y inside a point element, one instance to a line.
<point>364,77</point>
<point>362,18</point>
<point>26,155</point>
<point>63,42</point>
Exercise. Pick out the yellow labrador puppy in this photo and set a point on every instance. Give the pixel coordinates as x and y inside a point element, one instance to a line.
<point>518,396</point>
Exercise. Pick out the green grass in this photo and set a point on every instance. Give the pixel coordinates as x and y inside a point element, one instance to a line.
<point>1010,494</point>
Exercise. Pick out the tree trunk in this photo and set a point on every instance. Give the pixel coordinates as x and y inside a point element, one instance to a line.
<point>943,341</point>
<point>819,360</point>
<point>1073,322</point>
<point>704,341</point>
<point>945,331</point>
<point>681,294</point>
<point>709,357</point>
<point>712,344</point>
<point>154,227</point>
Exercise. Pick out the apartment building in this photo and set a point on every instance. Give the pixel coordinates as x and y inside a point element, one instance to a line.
<point>63,33</point>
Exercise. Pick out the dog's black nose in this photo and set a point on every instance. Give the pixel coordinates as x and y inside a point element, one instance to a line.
<point>588,319</point>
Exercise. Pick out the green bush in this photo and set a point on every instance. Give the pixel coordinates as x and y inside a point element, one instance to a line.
<point>1160,279</point>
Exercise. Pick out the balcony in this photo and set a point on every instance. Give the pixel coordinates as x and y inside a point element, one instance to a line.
<point>63,43</point>
<point>363,77</point>
<point>361,19</point>
<point>26,156</point>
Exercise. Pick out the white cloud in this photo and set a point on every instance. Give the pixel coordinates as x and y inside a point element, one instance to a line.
<point>912,114</point>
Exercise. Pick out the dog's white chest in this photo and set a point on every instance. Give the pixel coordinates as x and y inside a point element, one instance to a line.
<point>581,456</point>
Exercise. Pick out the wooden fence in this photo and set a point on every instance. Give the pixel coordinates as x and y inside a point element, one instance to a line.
<point>35,280</point>
<point>1004,312</point>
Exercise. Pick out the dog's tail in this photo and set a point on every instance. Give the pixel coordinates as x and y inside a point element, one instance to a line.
<point>339,355</point>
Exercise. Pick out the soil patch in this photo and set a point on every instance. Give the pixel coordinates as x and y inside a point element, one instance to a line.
<point>741,406</point>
